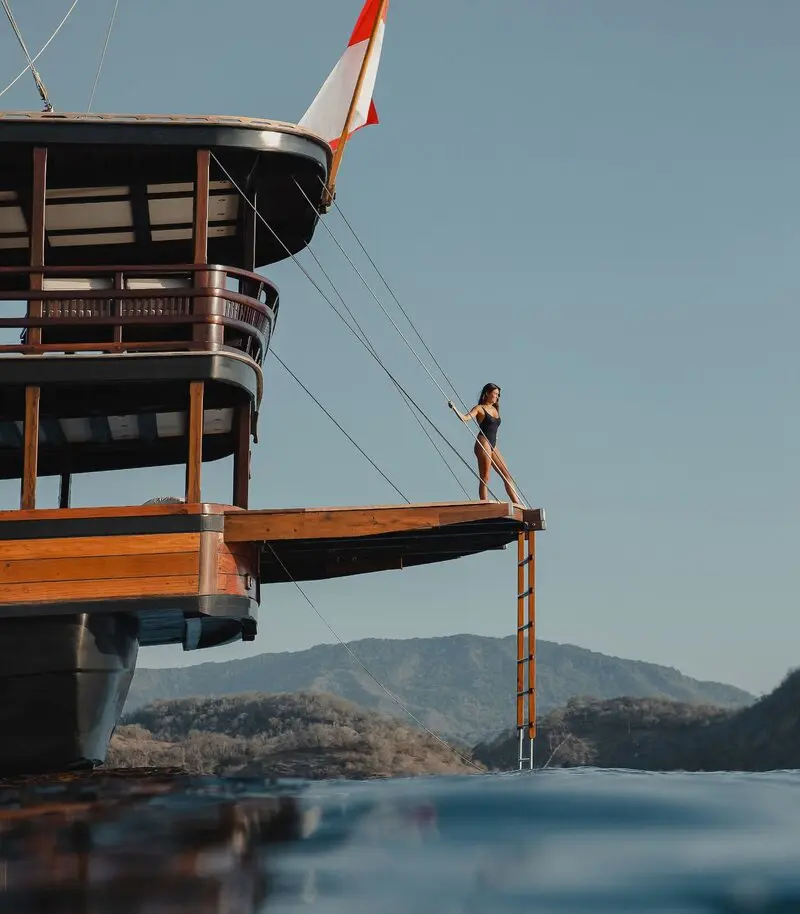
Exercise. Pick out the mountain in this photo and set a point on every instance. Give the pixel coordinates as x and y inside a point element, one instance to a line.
<point>307,735</point>
<point>657,735</point>
<point>461,685</point>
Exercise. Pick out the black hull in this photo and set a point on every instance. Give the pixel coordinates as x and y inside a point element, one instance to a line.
<point>63,684</point>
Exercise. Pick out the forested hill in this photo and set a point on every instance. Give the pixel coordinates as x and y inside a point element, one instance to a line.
<point>461,685</point>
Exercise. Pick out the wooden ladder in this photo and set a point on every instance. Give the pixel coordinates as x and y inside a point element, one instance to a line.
<point>526,646</point>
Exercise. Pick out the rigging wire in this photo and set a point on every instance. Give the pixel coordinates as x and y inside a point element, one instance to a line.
<point>103,56</point>
<point>365,341</point>
<point>395,698</point>
<point>344,320</point>
<point>36,78</point>
<point>41,51</point>
<point>354,443</point>
<point>397,301</point>
<point>400,332</point>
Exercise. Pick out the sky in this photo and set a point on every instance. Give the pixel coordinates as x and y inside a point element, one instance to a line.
<point>594,205</point>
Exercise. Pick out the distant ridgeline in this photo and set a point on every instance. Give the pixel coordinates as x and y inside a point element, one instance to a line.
<point>461,686</point>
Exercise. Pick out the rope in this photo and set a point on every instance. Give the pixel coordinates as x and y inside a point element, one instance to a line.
<point>396,699</point>
<point>476,437</point>
<point>354,443</point>
<point>36,78</point>
<point>316,285</point>
<point>103,56</point>
<point>44,47</point>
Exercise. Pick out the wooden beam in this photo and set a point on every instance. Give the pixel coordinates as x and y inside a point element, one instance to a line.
<point>348,522</point>
<point>38,236</point>
<point>201,189</point>
<point>195,433</point>
<point>30,450</point>
<point>241,456</point>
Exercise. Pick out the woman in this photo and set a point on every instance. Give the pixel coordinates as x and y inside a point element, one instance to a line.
<point>487,414</point>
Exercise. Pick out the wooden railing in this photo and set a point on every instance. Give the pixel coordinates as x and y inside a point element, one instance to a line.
<point>135,309</point>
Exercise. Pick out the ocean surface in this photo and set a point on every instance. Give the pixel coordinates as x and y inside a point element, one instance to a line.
<point>554,841</point>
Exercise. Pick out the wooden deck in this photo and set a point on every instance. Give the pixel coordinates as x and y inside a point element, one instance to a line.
<point>51,557</point>
<point>314,544</point>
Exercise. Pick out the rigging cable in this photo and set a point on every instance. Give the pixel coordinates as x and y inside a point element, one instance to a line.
<point>444,374</point>
<point>344,320</point>
<point>400,332</point>
<point>365,341</point>
<point>354,443</point>
<point>41,51</point>
<point>356,659</point>
<point>397,301</point>
<point>36,78</point>
<point>103,56</point>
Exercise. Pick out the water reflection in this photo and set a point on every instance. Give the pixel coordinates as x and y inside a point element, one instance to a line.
<point>161,843</point>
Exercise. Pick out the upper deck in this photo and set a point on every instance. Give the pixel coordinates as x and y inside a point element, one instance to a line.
<point>133,320</point>
<point>120,189</point>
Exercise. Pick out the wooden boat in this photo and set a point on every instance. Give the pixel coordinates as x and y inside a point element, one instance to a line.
<point>129,250</point>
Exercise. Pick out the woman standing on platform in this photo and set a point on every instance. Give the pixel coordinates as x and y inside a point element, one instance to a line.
<point>487,414</point>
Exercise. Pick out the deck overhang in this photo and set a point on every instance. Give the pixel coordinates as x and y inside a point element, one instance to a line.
<point>120,188</point>
<point>313,544</point>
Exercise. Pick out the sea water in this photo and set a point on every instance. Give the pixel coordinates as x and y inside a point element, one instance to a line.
<point>549,841</point>
<point>553,841</point>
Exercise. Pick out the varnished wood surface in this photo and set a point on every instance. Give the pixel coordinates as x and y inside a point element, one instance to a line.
<point>308,523</point>
<point>98,546</point>
<point>47,514</point>
<point>30,451</point>
<point>195,458</point>
<point>97,568</point>
<point>102,567</point>
<point>61,591</point>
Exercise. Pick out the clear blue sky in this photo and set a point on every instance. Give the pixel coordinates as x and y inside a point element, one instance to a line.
<point>594,205</point>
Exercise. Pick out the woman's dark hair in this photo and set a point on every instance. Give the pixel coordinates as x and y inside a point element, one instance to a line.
<point>487,389</point>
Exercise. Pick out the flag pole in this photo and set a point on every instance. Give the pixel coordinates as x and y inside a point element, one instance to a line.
<point>330,189</point>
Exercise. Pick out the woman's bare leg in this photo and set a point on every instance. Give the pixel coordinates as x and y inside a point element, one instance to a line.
<point>483,452</point>
<point>502,469</point>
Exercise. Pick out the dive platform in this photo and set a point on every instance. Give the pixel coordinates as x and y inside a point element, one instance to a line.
<point>133,330</point>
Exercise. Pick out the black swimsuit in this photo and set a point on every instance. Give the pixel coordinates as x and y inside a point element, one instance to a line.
<point>488,425</point>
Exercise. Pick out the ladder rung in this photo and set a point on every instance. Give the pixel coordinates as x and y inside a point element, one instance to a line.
<point>526,692</point>
<point>526,561</point>
<point>525,593</point>
<point>526,659</point>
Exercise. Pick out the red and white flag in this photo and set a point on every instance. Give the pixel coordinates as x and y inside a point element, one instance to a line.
<point>328,112</point>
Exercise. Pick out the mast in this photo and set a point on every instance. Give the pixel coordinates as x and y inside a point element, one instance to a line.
<point>330,190</point>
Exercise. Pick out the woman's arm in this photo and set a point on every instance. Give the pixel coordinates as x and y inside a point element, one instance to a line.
<point>476,411</point>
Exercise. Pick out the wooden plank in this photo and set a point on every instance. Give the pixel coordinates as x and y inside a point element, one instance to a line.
<point>235,585</point>
<point>195,456</point>
<point>97,568</point>
<point>240,561</point>
<point>309,524</point>
<point>122,511</point>
<point>94,546</point>
<point>60,591</point>
<point>30,450</point>
<point>201,189</point>
<point>241,456</point>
